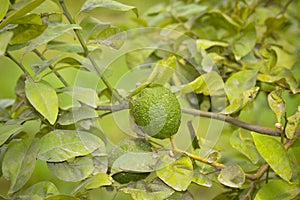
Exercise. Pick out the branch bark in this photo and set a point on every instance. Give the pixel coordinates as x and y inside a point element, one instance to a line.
<point>233,121</point>
<point>217,116</point>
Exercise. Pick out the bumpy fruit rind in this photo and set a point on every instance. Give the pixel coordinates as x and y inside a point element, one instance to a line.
<point>156,111</point>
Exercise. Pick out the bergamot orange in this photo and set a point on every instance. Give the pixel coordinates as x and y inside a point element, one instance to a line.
<point>156,111</point>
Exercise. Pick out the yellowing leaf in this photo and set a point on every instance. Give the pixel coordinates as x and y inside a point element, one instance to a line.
<point>163,71</point>
<point>206,44</point>
<point>210,83</point>
<point>43,98</point>
<point>277,104</point>
<point>292,123</point>
<point>274,154</point>
<point>97,181</point>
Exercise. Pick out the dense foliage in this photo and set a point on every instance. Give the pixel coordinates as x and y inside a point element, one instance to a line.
<point>233,66</point>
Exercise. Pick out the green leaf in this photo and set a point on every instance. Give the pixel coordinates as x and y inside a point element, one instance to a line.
<point>20,13</point>
<point>137,57</point>
<point>177,174</point>
<point>232,176</point>
<point>8,130</point>
<point>245,42</point>
<point>241,141</point>
<point>240,90</point>
<point>163,71</point>
<point>277,104</point>
<point>292,124</point>
<point>52,32</point>
<point>210,84</point>
<point>87,96</point>
<point>181,196</point>
<point>284,77</point>
<point>61,197</point>
<point>227,196</point>
<point>240,82</point>
<point>4,8</point>
<point>284,58</point>
<point>77,114</point>
<point>274,154</point>
<point>67,102</point>
<point>92,27</point>
<point>5,39</point>
<point>201,179</point>
<point>220,20</point>
<point>277,190</point>
<point>26,32</point>
<point>152,190</point>
<point>30,19</point>
<point>73,171</point>
<point>39,67</point>
<point>61,145</point>
<point>42,189</point>
<point>206,44</point>
<point>89,5</point>
<point>128,145</point>
<point>19,162</point>
<point>67,47</point>
<point>135,162</point>
<point>43,98</point>
<point>97,181</point>
<point>185,11</point>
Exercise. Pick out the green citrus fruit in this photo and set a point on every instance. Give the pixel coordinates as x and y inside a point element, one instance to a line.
<point>156,111</point>
<point>129,145</point>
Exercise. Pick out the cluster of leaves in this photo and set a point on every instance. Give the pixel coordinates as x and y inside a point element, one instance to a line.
<point>226,53</point>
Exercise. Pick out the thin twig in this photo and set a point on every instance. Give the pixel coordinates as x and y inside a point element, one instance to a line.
<point>57,74</point>
<point>87,53</point>
<point>194,138</point>
<point>233,121</point>
<point>217,116</point>
<point>285,7</point>
<point>203,160</point>
<point>113,108</point>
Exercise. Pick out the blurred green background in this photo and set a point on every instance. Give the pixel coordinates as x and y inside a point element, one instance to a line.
<point>257,113</point>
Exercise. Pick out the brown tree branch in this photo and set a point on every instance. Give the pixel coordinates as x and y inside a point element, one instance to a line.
<point>233,121</point>
<point>217,116</point>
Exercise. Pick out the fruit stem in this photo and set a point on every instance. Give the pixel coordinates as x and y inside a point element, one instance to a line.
<point>203,160</point>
